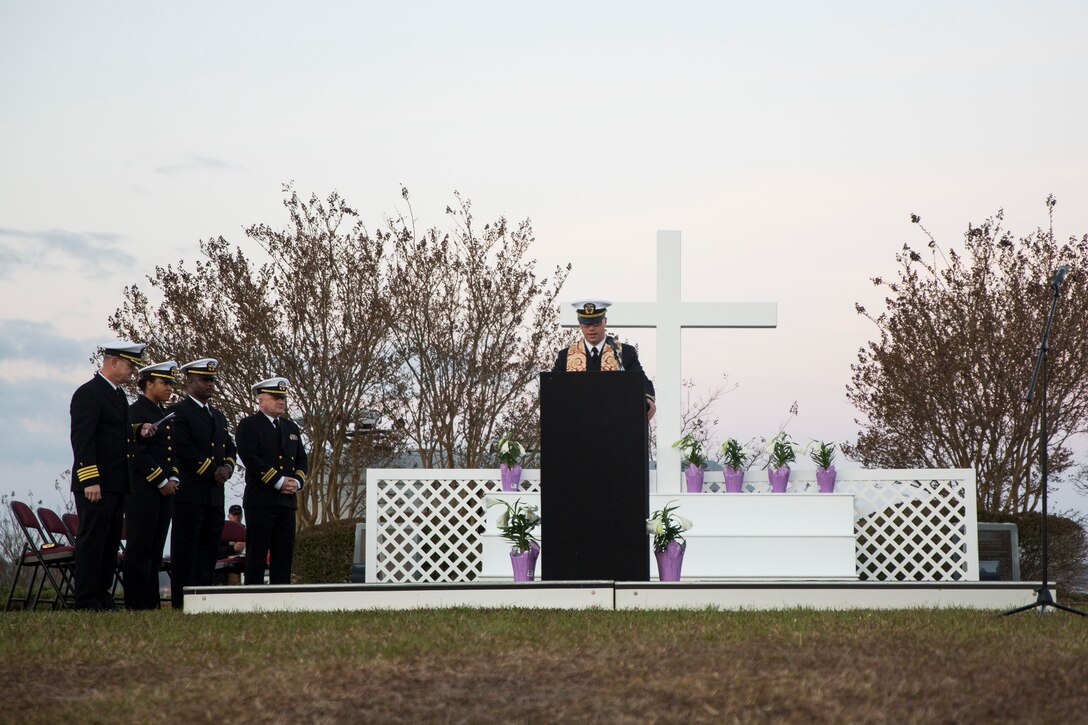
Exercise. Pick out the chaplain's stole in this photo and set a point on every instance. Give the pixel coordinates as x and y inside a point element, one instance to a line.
<point>576,358</point>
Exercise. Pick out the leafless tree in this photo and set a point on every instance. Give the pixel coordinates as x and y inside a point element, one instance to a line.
<point>315,310</point>
<point>473,325</point>
<point>944,384</point>
<point>439,334</point>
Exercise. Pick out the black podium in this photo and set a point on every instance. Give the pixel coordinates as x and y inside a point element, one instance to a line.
<point>594,477</point>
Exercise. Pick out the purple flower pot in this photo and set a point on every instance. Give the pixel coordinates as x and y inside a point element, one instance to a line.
<point>779,478</point>
<point>825,477</point>
<point>670,562</point>
<point>534,554</point>
<point>511,477</point>
<point>734,480</point>
<point>523,562</point>
<point>694,476</point>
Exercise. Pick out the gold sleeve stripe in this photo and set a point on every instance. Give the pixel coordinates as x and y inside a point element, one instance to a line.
<point>154,474</point>
<point>269,475</point>
<point>203,466</point>
<point>230,461</point>
<point>87,472</point>
<point>300,475</point>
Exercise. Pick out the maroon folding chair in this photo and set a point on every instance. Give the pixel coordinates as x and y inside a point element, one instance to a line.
<point>41,554</point>
<point>234,563</point>
<point>71,522</point>
<point>55,528</point>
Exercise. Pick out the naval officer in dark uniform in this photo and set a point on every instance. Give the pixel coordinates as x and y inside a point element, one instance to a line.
<point>153,482</point>
<point>100,433</point>
<point>206,457</point>
<point>271,450</point>
<point>598,352</point>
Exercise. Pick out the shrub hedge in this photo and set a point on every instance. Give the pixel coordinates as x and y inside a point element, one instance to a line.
<point>324,553</point>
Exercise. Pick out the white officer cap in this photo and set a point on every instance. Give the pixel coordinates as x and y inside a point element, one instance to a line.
<point>207,367</point>
<point>272,386</point>
<point>131,351</point>
<point>590,311</point>
<point>166,370</point>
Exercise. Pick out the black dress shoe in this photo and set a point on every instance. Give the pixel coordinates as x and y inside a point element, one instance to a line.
<point>94,606</point>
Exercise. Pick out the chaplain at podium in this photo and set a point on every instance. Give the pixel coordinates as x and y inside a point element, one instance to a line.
<point>598,352</point>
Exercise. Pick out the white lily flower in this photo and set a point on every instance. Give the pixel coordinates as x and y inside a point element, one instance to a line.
<point>504,519</point>
<point>490,501</point>
<point>685,524</point>
<point>655,526</point>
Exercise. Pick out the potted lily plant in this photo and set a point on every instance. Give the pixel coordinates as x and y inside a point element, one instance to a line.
<point>781,451</point>
<point>823,455</point>
<point>516,525</point>
<point>735,460</point>
<point>669,542</point>
<point>694,455</point>
<point>509,454</point>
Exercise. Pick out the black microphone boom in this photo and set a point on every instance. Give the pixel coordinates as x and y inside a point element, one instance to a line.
<point>1059,276</point>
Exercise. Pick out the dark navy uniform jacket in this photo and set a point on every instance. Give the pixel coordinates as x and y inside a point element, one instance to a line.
<point>151,460</point>
<point>100,436</point>
<point>204,444</point>
<point>268,454</point>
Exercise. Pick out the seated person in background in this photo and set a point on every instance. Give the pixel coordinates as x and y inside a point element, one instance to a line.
<point>231,548</point>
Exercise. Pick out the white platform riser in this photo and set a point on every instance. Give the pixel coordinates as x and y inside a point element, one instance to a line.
<point>608,596</point>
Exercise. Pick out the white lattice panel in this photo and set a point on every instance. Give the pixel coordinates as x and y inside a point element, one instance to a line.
<point>910,525</point>
<point>429,522</point>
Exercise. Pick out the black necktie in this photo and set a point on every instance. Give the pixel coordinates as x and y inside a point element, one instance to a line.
<point>208,410</point>
<point>595,360</point>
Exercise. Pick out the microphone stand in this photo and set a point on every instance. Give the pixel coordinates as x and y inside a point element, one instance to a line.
<point>1043,599</point>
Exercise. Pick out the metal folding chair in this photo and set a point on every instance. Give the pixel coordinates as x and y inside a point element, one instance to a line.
<point>41,554</point>
<point>71,522</point>
<point>55,528</point>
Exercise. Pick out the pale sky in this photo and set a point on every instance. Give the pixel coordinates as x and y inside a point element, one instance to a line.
<point>788,141</point>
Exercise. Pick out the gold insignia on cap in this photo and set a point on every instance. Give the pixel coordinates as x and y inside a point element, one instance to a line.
<point>212,366</point>
<point>283,386</point>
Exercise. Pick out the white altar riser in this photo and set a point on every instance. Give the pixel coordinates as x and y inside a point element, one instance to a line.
<point>736,595</point>
<point>428,525</point>
<point>757,535</point>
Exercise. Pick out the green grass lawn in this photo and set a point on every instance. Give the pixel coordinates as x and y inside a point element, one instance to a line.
<point>543,666</point>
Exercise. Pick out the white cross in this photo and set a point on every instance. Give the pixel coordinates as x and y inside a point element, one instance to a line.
<point>669,315</point>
